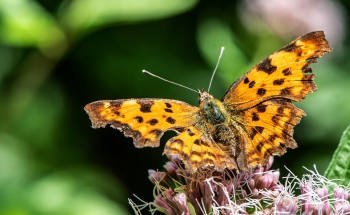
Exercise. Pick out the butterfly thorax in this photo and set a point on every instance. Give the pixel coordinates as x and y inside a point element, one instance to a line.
<point>212,109</point>
<point>218,123</point>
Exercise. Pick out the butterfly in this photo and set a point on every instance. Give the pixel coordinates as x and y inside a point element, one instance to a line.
<point>253,121</point>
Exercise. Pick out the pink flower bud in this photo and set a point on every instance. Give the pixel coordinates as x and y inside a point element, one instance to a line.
<point>287,205</point>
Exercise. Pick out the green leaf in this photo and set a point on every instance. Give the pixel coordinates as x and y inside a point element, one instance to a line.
<point>339,168</point>
<point>83,15</point>
<point>26,23</point>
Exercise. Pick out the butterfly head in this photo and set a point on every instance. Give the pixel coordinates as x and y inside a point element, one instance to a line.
<point>203,95</point>
<point>212,109</point>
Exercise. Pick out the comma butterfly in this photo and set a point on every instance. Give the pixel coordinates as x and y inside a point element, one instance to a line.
<point>253,121</point>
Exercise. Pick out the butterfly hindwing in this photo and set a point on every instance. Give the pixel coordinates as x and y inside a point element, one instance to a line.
<point>198,150</point>
<point>269,128</point>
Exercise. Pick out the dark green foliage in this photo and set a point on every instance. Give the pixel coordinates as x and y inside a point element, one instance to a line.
<point>339,168</point>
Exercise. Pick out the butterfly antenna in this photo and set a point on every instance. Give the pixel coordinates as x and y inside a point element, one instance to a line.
<point>217,64</point>
<point>153,75</point>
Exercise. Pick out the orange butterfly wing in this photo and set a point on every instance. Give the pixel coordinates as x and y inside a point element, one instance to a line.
<point>258,106</point>
<point>282,75</point>
<point>146,120</point>
<point>262,98</point>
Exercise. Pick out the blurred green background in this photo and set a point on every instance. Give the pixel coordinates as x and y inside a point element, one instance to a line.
<point>57,56</point>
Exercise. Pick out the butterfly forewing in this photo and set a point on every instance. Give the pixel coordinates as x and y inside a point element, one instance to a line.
<point>281,75</point>
<point>145,120</point>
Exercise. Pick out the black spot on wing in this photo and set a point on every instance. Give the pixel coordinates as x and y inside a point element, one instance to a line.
<point>272,138</point>
<point>261,91</point>
<point>256,130</point>
<point>261,108</point>
<point>246,81</point>
<point>168,110</point>
<point>116,103</point>
<point>278,81</point>
<point>289,48</point>
<point>259,129</point>
<point>139,119</point>
<point>266,66</point>
<point>190,132</point>
<point>287,72</point>
<point>275,119</point>
<point>168,105</point>
<point>145,105</point>
<point>152,121</point>
<point>259,146</point>
<point>255,117</point>
<point>202,143</point>
<point>251,84</point>
<point>252,134</point>
<point>170,120</point>
<point>285,91</point>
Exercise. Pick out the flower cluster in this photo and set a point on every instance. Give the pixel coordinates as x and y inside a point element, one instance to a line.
<point>322,196</point>
<point>256,191</point>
